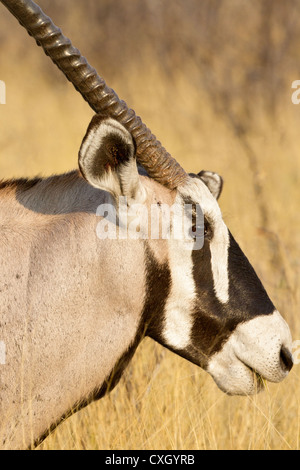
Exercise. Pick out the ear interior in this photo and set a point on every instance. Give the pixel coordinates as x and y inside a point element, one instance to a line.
<point>213,181</point>
<point>107,157</point>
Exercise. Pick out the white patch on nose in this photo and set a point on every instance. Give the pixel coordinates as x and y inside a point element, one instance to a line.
<point>254,345</point>
<point>219,262</point>
<point>178,311</point>
<point>259,342</point>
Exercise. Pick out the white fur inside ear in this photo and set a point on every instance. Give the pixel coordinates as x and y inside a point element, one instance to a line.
<point>123,179</point>
<point>131,184</point>
<point>213,181</point>
<point>110,126</point>
<point>108,182</point>
<point>94,138</point>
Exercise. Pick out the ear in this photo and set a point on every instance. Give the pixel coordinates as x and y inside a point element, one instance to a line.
<point>107,159</point>
<point>213,181</point>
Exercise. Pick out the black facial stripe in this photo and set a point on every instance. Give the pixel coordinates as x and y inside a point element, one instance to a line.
<point>209,330</point>
<point>214,321</point>
<point>246,292</point>
<point>158,289</point>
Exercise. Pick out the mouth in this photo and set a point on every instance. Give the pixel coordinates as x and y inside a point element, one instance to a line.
<point>238,379</point>
<point>258,380</point>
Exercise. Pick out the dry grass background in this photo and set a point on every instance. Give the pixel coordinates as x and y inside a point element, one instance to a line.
<point>212,79</point>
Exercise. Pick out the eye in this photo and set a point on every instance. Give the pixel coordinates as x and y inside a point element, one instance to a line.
<point>207,230</point>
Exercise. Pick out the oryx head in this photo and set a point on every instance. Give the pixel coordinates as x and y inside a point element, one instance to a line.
<point>207,304</point>
<point>214,310</point>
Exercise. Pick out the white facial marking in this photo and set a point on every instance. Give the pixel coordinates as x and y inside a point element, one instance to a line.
<point>178,311</point>
<point>253,346</point>
<point>179,306</point>
<point>219,262</point>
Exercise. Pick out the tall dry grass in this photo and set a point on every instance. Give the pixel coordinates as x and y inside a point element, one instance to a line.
<point>216,90</point>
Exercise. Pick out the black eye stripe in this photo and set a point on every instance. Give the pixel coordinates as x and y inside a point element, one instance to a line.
<point>207,229</point>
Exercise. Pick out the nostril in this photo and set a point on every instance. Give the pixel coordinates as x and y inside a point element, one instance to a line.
<point>286,359</point>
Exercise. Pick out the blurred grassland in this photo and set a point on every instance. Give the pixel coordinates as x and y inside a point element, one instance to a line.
<point>212,79</point>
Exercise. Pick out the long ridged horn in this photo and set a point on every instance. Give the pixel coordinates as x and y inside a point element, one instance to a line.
<point>150,153</point>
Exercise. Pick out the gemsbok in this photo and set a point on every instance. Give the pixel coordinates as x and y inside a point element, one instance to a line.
<point>83,281</point>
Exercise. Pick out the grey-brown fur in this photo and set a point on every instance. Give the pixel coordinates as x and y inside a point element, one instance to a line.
<point>64,322</point>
